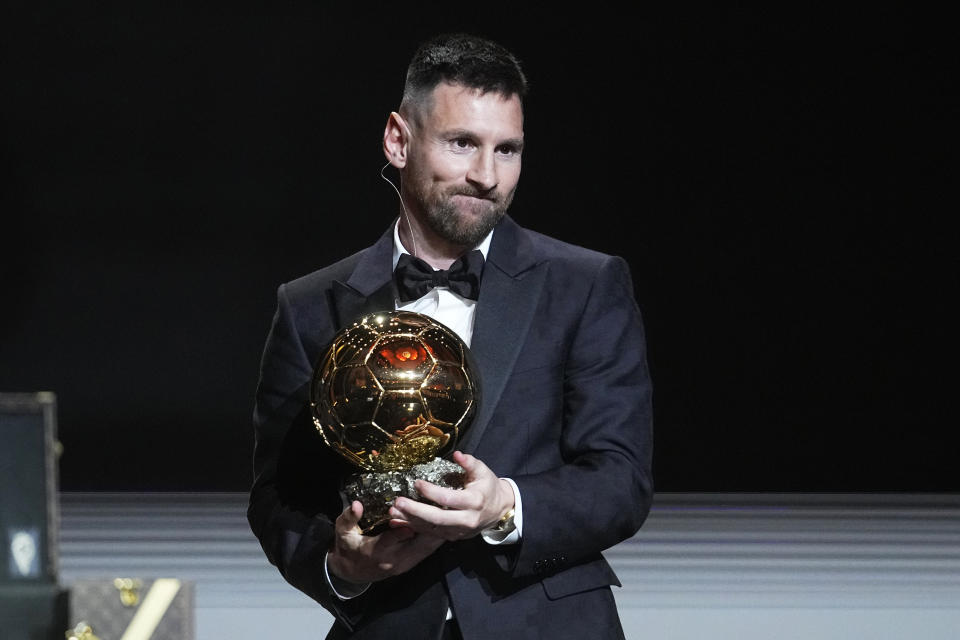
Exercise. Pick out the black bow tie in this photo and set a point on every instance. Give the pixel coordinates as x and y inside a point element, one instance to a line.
<point>415,277</point>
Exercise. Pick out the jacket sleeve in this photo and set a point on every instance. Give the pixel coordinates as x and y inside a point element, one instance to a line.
<point>293,501</point>
<point>599,492</point>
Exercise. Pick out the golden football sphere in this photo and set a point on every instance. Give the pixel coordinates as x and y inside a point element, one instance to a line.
<point>393,390</point>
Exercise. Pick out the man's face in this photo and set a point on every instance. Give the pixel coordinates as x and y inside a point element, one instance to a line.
<point>464,162</point>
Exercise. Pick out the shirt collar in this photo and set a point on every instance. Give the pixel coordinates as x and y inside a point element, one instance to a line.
<point>399,249</point>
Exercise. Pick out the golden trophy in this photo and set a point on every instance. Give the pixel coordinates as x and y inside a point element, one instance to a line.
<point>393,394</point>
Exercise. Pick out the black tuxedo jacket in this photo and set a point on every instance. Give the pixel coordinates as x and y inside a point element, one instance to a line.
<point>565,412</point>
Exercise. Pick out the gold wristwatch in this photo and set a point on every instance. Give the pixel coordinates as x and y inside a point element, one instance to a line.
<point>506,523</point>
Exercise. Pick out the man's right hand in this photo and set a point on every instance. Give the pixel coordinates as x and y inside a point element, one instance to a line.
<point>360,559</point>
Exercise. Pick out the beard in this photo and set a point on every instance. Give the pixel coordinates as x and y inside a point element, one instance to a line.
<point>465,229</point>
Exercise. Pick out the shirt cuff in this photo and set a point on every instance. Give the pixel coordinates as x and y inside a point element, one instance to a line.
<point>492,536</point>
<point>341,588</point>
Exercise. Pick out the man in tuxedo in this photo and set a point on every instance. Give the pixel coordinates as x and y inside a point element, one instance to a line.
<point>558,455</point>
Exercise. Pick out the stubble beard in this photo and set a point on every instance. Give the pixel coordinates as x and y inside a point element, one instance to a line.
<point>465,229</point>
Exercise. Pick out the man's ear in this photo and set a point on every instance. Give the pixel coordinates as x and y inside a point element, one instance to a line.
<point>396,140</point>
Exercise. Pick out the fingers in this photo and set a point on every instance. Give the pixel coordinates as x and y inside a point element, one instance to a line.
<point>449,523</point>
<point>359,559</point>
<point>420,515</point>
<point>465,460</point>
<point>456,513</point>
<point>350,517</point>
<point>443,497</point>
<point>416,529</point>
<point>473,466</point>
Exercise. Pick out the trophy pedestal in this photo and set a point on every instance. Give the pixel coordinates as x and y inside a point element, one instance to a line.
<point>376,491</point>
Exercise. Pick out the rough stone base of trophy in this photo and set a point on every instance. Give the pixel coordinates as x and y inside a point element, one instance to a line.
<point>376,491</point>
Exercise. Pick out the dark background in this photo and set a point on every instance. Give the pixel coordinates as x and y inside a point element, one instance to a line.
<point>777,179</point>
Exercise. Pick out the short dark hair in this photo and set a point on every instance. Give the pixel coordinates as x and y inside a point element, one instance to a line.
<point>462,59</point>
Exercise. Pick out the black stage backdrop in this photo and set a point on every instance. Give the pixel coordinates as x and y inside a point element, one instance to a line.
<point>776,179</point>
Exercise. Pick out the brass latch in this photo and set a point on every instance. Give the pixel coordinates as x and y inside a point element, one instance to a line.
<point>81,632</point>
<point>129,589</point>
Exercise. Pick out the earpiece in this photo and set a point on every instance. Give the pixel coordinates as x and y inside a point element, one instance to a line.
<point>413,236</point>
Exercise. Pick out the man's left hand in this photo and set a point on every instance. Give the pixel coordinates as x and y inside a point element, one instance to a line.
<point>462,513</point>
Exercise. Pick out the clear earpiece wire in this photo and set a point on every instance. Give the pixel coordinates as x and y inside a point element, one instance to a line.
<point>413,237</point>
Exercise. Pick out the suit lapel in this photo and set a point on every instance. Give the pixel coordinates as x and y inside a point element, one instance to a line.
<point>370,287</point>
<point>351,305</point>
<point>509,293</point>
